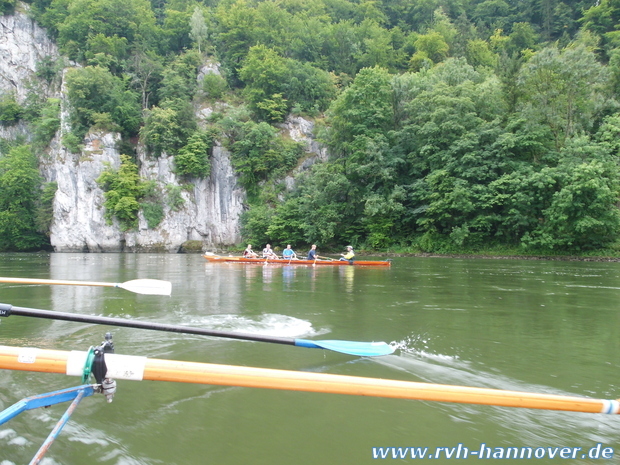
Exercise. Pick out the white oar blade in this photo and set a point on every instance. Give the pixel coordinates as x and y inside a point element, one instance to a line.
<point>147,286</point>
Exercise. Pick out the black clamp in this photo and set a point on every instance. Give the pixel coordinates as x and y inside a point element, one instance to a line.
<point>99,368</point>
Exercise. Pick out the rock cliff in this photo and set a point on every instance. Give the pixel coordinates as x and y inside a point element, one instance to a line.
<point>211,207</point>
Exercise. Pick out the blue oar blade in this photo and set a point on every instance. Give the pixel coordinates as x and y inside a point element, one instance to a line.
<point>361,349</point>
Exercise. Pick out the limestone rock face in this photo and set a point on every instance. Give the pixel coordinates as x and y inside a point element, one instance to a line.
<point>210,211</point>
<point>23,45</point>
<point>211,208</point>
<point>209,214</point>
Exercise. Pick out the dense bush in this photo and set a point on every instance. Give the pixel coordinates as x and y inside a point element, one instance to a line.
<point>10,111</point>
<point>193,159</point>
<point>20,183</point>
<point>123,191</point>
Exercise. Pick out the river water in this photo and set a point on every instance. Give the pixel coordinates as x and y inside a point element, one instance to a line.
<point>535,326</point>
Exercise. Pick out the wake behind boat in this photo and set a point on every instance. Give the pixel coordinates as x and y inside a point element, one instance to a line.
<point>286,261</point>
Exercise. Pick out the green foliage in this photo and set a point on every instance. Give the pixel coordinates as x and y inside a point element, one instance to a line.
<point>193,159</point>
<point>582,213</point>
<point>254,224</point>
<point>287,224</point>
<point>48,69</point>
<point>179,78</point>
<point>47,123</point>
<point>363,109</point>
<point>72,142</point>
<point>449,125</point>
<point>96,96</point>
<point>433,46</point>
<point>214,86</point>
<point>20,182</point>
<point>563,90</point>
<point>258,154</point>
<point>174,198</point>
<point>85,25</point>
<point>122,191</point>
<point>272,109</point>
<point>152,204</point>
<point>45,208</point>
<point>153,213</point>
<point>10,111</point>
<point>167,129</point>
<point>199,30</point>
<point>7,6</point>
<point>327,205</point>
<point>275,84</point>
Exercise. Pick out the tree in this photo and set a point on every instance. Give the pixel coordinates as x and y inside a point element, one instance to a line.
<point>145,70</point>
<point>161,131</point>
<point>264,72</point>
<point>10,111</point>
<point>193,159</point>
<point>93,93</point>
<point>20,182</point>
<point>582,213</point>
<point>259,155</point>
<point>274,84</point>
<point>237,33</point>
<point>325,205</point>
<point>199,30</point>
<point>363,109</point>
<point>7,6</point>
<point>433,46</point>
<point>563,89</point>
<point>132,20</point>
<point>122,191</point>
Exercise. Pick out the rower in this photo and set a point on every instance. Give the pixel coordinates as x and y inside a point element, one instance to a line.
<point>269,253</point>
<point>348,257</point>
<point>312,253</point>
<point>289,253</point>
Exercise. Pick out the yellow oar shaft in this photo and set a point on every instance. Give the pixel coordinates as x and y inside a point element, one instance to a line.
<point>53,281</point>
<point>127,367</point>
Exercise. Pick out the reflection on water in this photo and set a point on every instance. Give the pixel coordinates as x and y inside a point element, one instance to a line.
<point>533,326</point>
<point>347,273</point>
<point>288,276</point>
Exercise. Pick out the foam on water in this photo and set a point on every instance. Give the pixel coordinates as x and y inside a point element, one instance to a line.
<point>266,324</point>
<point>532,425</point>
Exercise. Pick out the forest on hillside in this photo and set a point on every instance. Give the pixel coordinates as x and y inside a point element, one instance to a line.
<point>451,125</point>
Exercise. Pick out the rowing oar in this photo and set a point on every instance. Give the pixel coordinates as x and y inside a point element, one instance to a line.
<point>361,349</point>
<point>139,286</point>
<point>141,368</point>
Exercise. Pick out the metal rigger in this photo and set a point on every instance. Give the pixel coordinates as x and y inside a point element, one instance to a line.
<point>95,365</point>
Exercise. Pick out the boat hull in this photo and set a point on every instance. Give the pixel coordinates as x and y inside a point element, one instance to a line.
<point>281,261</point>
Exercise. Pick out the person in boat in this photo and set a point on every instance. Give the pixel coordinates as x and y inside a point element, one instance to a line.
<point>312,253</point>
<point>249,253</point>
<point>269,253</point>
<point>288,253</point>
<point>349,255</point>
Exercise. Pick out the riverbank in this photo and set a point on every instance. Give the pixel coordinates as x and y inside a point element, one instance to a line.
<point>610,256</point>
<point>567,258</point>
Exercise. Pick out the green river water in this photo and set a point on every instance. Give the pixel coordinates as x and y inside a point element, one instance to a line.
<point>535,326</point>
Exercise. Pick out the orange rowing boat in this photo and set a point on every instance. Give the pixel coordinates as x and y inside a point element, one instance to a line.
<point>283,261</point>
